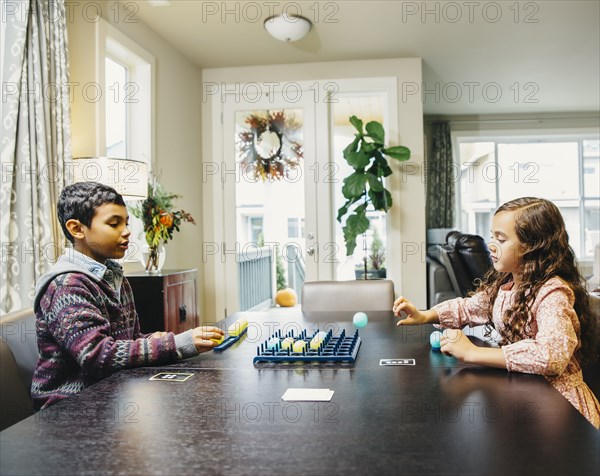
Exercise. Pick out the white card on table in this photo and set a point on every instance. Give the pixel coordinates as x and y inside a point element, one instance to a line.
<point>307,395</point>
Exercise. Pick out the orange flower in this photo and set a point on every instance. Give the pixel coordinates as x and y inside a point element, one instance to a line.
<point>166,219</point>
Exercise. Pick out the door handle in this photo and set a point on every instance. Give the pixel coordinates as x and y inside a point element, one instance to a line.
<point>182,313</point>
<point>310,250</point>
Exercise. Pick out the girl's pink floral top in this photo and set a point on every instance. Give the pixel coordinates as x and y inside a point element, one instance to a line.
<point>551,352</point>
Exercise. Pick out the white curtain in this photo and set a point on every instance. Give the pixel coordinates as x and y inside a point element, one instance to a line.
<point>36,144</point>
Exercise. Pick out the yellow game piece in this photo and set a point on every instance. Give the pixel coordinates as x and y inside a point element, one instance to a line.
<point>219,340</point>
<point>299,346</point>
<point>287,343</point>
<point>317,339</point>
<point>238,327</point>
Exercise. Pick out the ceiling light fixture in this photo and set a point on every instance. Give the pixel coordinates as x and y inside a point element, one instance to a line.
<point>287,27</point>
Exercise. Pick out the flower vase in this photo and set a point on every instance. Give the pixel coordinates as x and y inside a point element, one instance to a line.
<point>153,258</point>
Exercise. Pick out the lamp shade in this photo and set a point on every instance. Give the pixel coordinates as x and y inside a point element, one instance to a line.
<point>128,177</point>
<point>287,28</point>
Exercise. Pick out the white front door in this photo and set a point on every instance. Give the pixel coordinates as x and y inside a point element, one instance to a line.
<point>273,203</point>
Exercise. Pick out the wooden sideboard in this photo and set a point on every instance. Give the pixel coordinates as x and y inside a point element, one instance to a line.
<point>166,301</point>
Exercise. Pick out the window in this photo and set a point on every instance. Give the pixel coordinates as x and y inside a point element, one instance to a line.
<point>128,98</point>
<point>127,108</point>
<point>116,110</point>
<point>255,228</point>
<point>295,227</point>
<point>565,170</point>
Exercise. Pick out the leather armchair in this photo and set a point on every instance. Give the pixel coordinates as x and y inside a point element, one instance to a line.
<point>18,330</point>
<point>18,358</point>
<point>455,265</point>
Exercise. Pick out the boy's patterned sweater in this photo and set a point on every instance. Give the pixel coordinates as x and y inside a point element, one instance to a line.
<point>87,328</point>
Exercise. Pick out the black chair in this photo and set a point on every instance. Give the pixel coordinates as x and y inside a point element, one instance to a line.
<point>454,266</point>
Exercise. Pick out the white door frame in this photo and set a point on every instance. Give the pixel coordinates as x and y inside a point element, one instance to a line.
<point>319,213</point>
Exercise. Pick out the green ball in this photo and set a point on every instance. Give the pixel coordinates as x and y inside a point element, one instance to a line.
<point>360,319</point>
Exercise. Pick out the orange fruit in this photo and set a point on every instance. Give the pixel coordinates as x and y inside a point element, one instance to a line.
<point>286,297</point>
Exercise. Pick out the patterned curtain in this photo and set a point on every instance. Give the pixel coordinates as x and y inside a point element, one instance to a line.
<point>36,144</point>
<point>441,179</point>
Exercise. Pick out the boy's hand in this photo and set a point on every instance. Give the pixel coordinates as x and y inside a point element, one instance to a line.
<point>158,334</point>
<point>202,337</point>
<point>414,315</point>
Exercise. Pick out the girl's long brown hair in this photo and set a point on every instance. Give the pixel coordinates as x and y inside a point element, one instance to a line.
<point>546,253</point>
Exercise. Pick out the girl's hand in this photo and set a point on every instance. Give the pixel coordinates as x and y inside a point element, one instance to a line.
<point>455,343</point>
<point>202,337</point>
<point>414,315</point>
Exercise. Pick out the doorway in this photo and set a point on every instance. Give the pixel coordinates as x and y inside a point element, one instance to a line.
<point>284,167</point>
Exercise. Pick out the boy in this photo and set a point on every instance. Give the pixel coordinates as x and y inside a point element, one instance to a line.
<point>86,323</point>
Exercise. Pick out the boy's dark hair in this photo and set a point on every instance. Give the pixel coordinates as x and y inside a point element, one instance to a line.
<point>80,200</point>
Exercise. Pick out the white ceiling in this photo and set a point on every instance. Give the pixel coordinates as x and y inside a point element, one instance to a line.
<point>482,57</point>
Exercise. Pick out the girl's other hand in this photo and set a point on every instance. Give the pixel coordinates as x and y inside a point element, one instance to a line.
<point>414,316</point>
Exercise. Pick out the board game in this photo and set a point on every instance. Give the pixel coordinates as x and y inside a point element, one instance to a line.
<point>318,347</point>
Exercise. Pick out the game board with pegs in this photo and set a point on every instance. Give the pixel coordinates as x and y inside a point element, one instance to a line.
<point>319,347</point>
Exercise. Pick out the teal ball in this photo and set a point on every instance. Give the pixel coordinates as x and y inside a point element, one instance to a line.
<point>434,339</point>
<point>360,319</point>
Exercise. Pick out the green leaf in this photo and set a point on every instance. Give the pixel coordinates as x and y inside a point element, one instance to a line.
<point>375,183</point>
<point>398,152</point>
<point>356,224</point>
<point>381,200</point>
<point>354,185</point>
<point>357,123</point>
<point>351,149</point>
<point>375,131</point>
<point>345,207</point>
<point>383,168</point>
<point>356,156</point>
<point>368,147</point>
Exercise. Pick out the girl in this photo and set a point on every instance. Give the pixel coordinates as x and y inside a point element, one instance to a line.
<point>535,298</point>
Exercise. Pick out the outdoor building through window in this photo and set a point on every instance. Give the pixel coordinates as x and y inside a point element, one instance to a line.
<point>566,171</point>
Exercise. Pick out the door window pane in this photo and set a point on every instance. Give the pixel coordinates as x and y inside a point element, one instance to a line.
<point>269,170</point>
<point>372,244</point>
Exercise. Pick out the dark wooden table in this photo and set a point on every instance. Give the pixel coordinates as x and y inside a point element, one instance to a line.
<point>437,417</point>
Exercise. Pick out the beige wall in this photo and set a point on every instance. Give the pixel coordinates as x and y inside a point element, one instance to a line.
<point>407,216</point>
<point>177,137</point>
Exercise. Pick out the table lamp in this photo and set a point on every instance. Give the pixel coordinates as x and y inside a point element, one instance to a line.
<point>127,176</point>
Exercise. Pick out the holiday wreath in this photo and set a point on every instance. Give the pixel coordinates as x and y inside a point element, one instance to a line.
<point>270,146</point>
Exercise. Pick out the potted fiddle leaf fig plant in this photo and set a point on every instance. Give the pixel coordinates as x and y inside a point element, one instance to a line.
<point>365,188</point>
<point>374,259</point>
